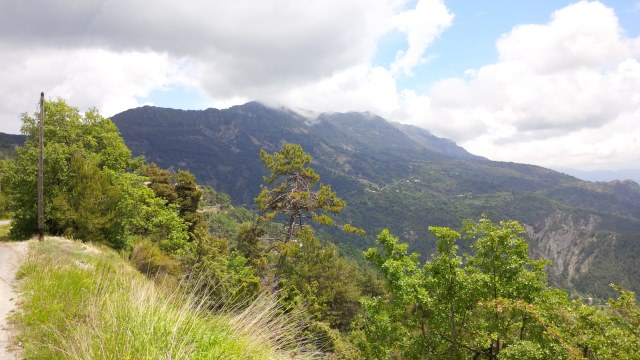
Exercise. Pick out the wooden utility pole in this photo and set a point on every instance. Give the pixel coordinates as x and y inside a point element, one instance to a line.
<point>41,170</point>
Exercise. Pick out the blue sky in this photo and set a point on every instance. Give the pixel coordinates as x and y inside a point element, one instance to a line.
<point>553,83</point>
<point>470,41</point>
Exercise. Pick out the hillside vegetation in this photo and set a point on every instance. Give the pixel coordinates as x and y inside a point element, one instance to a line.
<point>85,302</point>
<point>8,143</point>
<point>403,178</point>
<point>478,296</point>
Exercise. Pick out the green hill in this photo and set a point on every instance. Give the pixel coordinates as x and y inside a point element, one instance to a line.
<point>8,143</point>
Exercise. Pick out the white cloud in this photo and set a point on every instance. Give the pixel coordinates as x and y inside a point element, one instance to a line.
<point>564,93</point>
<point>238,45</point>
<point>232,50</point>
<point>85,77</point>
<point>422,26</point>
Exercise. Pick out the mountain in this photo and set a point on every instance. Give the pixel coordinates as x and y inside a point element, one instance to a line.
<point>403,178</point>
<point>8,143</point>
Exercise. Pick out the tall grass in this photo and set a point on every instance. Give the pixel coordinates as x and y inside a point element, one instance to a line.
<point>4,232</point>
<point>79,303</point>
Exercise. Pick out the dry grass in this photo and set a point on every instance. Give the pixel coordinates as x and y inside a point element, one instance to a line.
<point>83,303</point>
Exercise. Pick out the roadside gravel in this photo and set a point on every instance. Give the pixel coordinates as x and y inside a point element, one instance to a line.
<point>11,253</point>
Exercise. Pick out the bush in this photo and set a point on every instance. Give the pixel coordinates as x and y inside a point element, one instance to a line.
<point>150,260</point>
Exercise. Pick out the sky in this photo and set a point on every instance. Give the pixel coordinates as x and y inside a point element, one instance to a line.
<point>547,82</point>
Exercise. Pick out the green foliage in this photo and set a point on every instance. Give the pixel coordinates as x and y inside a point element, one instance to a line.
<point>89,192</point>
<point>501,257</point>
<point>249,245</point>
<point>452,307</point>
<point>68,133</point>
<point>85,303</point>
<point>491,304</point>
<point>161,182</point>
<point>4,232</point>
<point>292,189</point>
<point>87,209</point>
<point>4,200</point>
<point>324,279</point>
<point>221,274</point>
<point>147,257</point>
<point>180,190</point>
<point>333,342</point>
<point>147,216</point>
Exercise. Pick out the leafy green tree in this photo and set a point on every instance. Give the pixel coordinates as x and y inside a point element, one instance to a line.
<point>188,201</point>
<point>221,274</point>
<point>605,332</point>
<point>487,305</point>
<point>249,244</point>
<point>388,323</point>
<point>89,191</point>
<point>501,255</point>
<point>181,190</point>
<point>290,190</point>
<point>4,200</point>
<point>325,280</point>
<point>160,181</point>
<point>67,132</point>
<point>87,209</point>
<point>509,284</point>
<point>146,216</point>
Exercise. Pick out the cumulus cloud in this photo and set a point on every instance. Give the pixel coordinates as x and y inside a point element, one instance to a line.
<point>86,78</point>
<point>422,26</point>
<point>238,45</point>
<point>562,93</point>
<point>231,50</point>
<point>554,93</point>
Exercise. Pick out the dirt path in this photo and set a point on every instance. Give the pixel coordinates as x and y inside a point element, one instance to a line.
<point>10,255</point>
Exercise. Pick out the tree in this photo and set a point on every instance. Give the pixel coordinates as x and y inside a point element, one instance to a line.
<point>4,201</point>
<point>181,190</point>
<point>326,280</point>
<point>487,305</point>
<point>90,191</point>
<point>88,208</point>
<point>290,190</point>
<point>161,182</point>
<point>188,200</point>
<point>67,133</point>
<point>509,284</point>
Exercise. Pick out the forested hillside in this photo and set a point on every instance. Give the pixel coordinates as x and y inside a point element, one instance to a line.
<point>8,142</point>
<point>406,179</point>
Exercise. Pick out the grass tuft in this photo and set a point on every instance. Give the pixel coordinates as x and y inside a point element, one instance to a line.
<point>79,303</point>
<point>4,232</point>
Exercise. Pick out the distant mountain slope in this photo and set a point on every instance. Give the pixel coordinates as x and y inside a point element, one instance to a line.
<point>404,178</point>
<point>8,142</point>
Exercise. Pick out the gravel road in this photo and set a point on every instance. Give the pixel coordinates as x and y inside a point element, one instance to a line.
<point>10,255</point>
